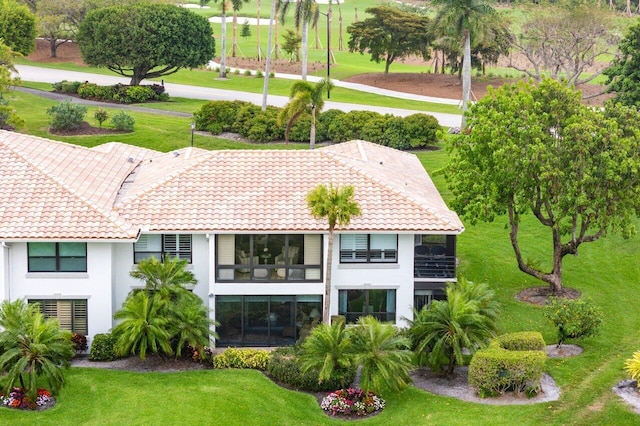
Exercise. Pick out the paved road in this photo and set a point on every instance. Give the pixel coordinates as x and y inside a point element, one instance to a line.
<point>47,75</point>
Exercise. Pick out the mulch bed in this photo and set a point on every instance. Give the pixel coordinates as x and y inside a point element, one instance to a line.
<point>84,130</point>
<point>540,295</point>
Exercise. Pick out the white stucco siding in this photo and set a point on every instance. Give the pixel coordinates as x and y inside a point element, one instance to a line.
<point>5,253</point>
<point>94,285</point>
<point>362,276</point>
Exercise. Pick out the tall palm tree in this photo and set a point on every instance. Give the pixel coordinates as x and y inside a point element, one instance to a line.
<point>337,205</point>
<point>143,326</point>
<point>383,354</point>
<point>305,13</point>
<point>236,5</point>
<point>465,17</point>
<point>267,66</point>
<point>31,347</point>
<point>327,349</point>
<point>305,97</point>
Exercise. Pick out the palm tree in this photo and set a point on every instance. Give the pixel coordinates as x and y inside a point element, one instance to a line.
<point>465,17</point>
<point>383,354</point>
<point>327,349</point>
<point>305,13</point>
<point>442,329</point>
<point>170,272</point>
<point>236,5</point>
<point>305,97</point>
<point>189,323</point>
<point>337,206</point>
<point>31,347</point>
<point>143,326</point>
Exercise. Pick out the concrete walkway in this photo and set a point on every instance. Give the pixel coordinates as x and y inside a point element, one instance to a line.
<point>49,75</point>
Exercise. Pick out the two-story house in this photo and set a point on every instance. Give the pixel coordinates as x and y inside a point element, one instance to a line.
<point>75,221</point>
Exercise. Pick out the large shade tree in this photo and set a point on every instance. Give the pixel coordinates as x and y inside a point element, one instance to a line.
<point>464,17</point>
<point>305,97</point>
<point>391,34</point>
<point>537,149</point>
<point>623,76</point>
<point>145,40</point>
<point>337,205</point>
<point>17,27</point>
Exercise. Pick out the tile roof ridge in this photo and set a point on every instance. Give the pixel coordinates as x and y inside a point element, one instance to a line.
<point>111,216</point>
<point>444,216</point>
<point>201,156</point>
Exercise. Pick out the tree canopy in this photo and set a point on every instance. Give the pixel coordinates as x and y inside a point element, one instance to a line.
<point>539,150</point>
<point>17,27</point>
<point>145,40</point>
<point>391,34</point>
<point>623,76</point>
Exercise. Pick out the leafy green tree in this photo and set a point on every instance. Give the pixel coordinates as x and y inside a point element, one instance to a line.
<point>305,97</point>
<point>441,330</point>
<point>538,149</point>
<point>391,34</point>
<point>145,40</point>
<point>246,30</point>
<point>291,45</point>
<point>17,27</point>
<point>337,205</point>
<point>383,354</point>
<point>623,76</point>
<point>574,319</point>
<point>463,17</point>
<point>8,116</point>
<point>142,327</point>
<point>32,347</point>
<point>327,349</point>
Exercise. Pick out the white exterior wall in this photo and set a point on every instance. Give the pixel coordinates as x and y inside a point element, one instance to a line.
<point>369,276</point>
<point>94,285</point>
<point>5,253</point>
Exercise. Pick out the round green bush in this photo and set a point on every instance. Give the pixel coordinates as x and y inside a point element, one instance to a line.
<point>421,130</point>
<point>102,347</point>
<point>375,129</point>
<point>395,134</point>
<point>300,131</point>
<point>218,116</point>
<point>66,115</point>
<point>349,126</point>
<point>123,121</point>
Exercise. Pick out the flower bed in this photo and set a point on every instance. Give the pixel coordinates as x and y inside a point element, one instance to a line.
<point>347,402</point>
<point>17,399</point>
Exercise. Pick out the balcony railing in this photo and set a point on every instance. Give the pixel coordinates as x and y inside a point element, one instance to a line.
<point>434,267</point>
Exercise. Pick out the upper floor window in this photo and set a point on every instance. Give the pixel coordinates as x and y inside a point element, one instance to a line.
<point>159,246</point>
<point>71,314</point>
<point>364,248</point>
<point>57,257</point>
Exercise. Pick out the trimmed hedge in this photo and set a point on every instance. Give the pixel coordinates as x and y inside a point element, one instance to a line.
<point>521,341</point>
<point>495,370</point>
<point>102,347</point>
<point>121,93</point>
<point>284,367</point>
<point>255,359</point>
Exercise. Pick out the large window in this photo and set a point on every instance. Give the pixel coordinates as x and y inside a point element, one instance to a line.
<point>364,248</point>
<point>266,320</point>
<point>354,304</point>
<point>269,257</point>
<point>57,257</point>
<point>435,256</point>
<point>159,246</point>
<point>71,314</point>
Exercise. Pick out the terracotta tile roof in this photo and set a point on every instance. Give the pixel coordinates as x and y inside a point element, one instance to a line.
<point>56,190</point>
<point>53,190</point>
<point>254,190</point>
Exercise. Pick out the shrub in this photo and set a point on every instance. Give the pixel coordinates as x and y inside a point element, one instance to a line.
<point>103,347</point>
<point>259,74</point>
<point>255,359</point>
<point>495,370</point>
<point>123,121</point>
<point>263,127</point>
<point>101,115</point>
<point>284,367</point>
<point>217,116</point>
<point>66,115</point>
<point>574,319</point>
<point>247,72</point>
<point>395,134</point>
<point>244,117</point>
<point>632,366</point>
<point>79,342</point>
<point>69,87</point>
<point>348,126</point>
<point>521,341</point>
<point>89,91</point>
<point>301,129</point>
<point>421,130</point>
<point>138,94</point>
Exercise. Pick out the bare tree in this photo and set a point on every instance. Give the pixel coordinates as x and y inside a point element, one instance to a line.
<point>564,45</point>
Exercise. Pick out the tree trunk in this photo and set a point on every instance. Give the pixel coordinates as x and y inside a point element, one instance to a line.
<point>340,47</point>
<point>267,68</point>
<point>387,64</point>
<point>234,46</point>
<point>223,43</point>
<point>258,31</point>
<point>326,313</point>
<point>275,39</point>
<point>53,47</point>
<point>305,48</point>
<point>312,133</point>
<point>466,76</point>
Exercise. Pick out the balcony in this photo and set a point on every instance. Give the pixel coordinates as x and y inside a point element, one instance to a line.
<point>435,261</point>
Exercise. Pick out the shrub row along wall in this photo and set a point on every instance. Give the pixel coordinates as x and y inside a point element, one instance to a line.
<point>120,93</point>
<point>513,362</point>
<point>414,131</point>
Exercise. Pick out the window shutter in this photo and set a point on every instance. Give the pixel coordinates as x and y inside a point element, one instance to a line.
<point>226,249</point>
<point>384,247</point>
<point>80,317</point>
<point>148,243</point>
<point>353,247</point>
<point>312,255</point>
<point>64,314</point>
